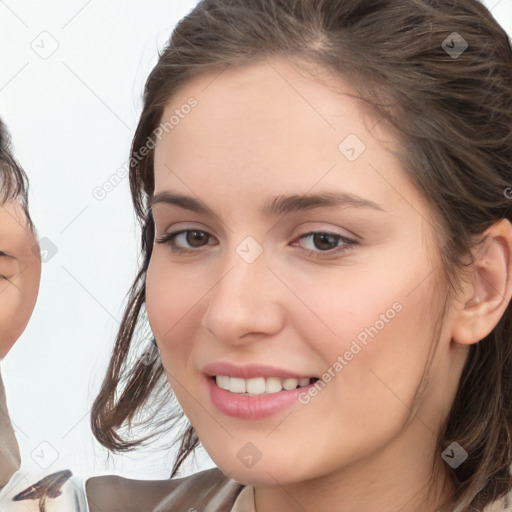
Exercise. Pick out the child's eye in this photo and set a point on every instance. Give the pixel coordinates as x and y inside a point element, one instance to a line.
<point>327,244</point>
<point>8,266</point>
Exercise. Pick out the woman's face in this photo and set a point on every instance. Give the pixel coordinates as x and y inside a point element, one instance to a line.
<point>307,254</point>
<point>20,273</point>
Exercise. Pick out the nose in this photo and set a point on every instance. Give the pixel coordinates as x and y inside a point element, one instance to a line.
<point>246,304</point>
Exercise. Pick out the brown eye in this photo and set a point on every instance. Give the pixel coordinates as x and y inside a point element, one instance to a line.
<point>195,238</point>
<point>188,240</point>
<point>327,244</point>
<point>325,241</point>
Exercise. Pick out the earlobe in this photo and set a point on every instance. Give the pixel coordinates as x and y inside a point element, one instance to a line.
<point>487,295</point>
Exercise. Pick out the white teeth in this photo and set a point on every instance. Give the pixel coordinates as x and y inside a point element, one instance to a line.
<point>258,385</point>
<point>223,382</point>
<point>237,385</point>
<point>290,384</point>
<point>273,385</point>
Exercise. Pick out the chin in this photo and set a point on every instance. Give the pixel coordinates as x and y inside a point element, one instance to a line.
<point>262,473</point>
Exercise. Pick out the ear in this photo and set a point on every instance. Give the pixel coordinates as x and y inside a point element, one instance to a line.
<point>487,294</point>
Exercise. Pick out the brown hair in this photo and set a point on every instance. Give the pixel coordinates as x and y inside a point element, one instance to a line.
<point>454,117</point>
<point>13,180</point>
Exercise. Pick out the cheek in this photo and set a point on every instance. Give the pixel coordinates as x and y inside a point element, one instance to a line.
<point>171,296</point>
<point>17,303</point>
<point>371,331</point>
<point>340,305</point>
<point>374,361</point>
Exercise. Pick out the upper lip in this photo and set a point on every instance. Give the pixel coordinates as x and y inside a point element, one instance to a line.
<point>250,371</point>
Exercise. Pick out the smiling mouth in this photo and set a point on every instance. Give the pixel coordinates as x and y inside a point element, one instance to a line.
<point>260,385</point>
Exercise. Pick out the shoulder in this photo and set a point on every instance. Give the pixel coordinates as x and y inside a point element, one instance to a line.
<point>116,494</point>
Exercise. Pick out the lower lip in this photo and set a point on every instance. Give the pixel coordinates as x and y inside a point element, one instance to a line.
<point>252,407</point>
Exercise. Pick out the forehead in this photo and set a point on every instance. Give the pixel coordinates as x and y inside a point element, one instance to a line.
<point>272,127</point>
<point>261,100</point>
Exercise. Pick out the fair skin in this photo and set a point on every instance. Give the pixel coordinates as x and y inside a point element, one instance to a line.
<point>20,273</point>
<point>268,130</point>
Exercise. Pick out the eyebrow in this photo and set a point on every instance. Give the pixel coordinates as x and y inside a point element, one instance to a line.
<point>276,205</point>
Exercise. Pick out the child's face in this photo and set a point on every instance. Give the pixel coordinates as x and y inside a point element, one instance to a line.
<point>361,319</point>
<point>20,272</point>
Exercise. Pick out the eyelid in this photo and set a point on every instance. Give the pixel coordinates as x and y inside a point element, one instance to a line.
<point>321,227</point>
<point>187,226</point>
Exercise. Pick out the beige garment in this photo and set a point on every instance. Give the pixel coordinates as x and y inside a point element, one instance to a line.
<point>9,450</point>
<point>206,491</point>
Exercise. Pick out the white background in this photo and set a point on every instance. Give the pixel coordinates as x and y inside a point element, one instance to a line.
<point>72,116</point>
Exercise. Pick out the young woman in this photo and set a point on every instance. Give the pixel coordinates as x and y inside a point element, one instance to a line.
<point>324,193</point>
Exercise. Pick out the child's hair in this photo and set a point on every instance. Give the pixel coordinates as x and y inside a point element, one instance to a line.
<point>13,180</point>
<point>453,114</point>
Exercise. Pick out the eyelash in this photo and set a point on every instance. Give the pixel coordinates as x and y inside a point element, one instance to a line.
<point>349,243</point>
